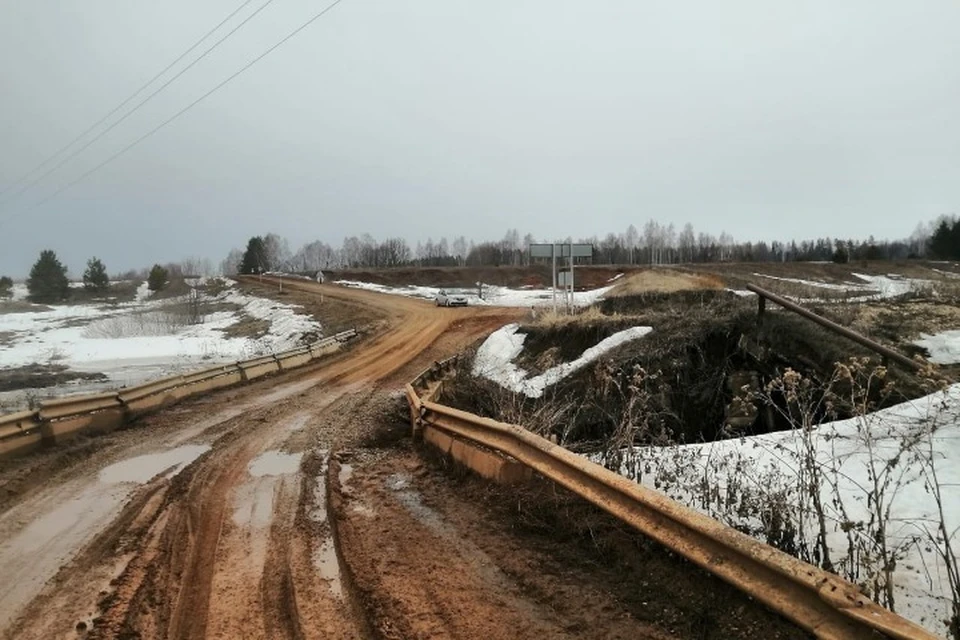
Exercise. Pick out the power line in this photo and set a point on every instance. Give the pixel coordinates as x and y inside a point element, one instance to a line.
<point>189,106</point>
<point>125,102</point>
<point>166,84</point>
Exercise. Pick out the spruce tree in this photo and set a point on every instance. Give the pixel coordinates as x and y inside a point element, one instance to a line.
<point>941,243</point>
<point>48,279</point>
<point>6,286</point>
<point>95,278</point>
<point>255,257</point>
<point>157,278</point>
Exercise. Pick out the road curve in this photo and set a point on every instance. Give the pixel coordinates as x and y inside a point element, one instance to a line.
<point>293,507</point>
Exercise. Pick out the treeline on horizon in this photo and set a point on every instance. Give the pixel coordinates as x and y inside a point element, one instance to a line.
<point>656,244</point>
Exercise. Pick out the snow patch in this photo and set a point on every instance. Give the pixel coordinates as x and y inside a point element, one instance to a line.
<point>143,291</point>
<point>138,341</point>
<point>492,295</point>
<point>740,471</point>
<point>944,347</point>
<point>494,359</point>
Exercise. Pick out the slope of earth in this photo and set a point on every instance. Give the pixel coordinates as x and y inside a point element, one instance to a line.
<point>538,276</point>
<point>211,519</point>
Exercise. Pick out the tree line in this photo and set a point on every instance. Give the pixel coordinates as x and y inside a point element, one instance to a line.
<point>48,282</point>
<point>655,244</point>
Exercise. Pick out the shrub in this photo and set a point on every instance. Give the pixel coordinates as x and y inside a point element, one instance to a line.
<point>6,287</point>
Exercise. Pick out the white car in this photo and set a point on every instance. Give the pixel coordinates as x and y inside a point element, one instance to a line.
<point>447,299</point>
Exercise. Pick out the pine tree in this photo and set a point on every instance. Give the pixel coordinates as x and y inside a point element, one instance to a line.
<point>6,286</point>
<point>48,279</point>
<point>841,255</point>
<point>255,257</point>
<point>157,278</point>
<point>95,278</point>
<point>941,243</point>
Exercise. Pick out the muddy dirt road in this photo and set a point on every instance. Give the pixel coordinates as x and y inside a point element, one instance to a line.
<point>294,507</point>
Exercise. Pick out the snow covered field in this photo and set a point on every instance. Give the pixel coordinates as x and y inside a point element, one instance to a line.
<point>137,341</point>
<point>866,288</point>
<point>492,295</point>
<point>494,359</point>
<point>891,458</point>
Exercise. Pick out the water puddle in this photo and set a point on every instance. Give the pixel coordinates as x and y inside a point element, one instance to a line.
<point>285,392</point>
<point>298,422</point>
<point>213,421</point>
<point>346,471</point>
<point>274,463</point>
<point>254,503</point>
<point>33,555</point>
<point>328,566</point>
<point>142,469</point>
<point>319,513</point>
<point>476,558</point>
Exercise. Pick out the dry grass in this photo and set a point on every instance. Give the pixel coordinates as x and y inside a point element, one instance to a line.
<point>247,326</point>
<point>589,315</point>
<point>665,281</point>
<point>22,306</point>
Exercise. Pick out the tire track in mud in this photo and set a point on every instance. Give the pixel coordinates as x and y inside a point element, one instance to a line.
<point>178,562</point>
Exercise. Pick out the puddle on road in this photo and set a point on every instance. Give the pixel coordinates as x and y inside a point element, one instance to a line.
<point>33,548</point>
<point>142,469</point>
<point>325,555</point>
<point>284,392</point>
<point>412,500</point>
<point>33,555</point>
<point>254,503</point>
<point>275,463</point>
<point>297,422</point>
<point>328,566</point>
<point>319,513</point>
<point>477,559</point>
<point>397,481</point>
<point>346,471</point>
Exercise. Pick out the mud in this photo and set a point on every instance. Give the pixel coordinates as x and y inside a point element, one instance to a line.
<point>287,508</point>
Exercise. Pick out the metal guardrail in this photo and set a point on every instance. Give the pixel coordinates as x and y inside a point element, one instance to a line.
<point>886,352</point>
<point>129,401</point>
<point>820,602</point>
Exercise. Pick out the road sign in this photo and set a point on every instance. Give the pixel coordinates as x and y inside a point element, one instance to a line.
<point>562,250</point>
<point>564,279</point>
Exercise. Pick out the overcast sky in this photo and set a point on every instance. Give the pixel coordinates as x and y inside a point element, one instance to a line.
<point>770,120</point>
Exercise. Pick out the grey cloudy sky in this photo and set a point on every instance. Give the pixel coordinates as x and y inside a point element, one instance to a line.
<point>441,117</point>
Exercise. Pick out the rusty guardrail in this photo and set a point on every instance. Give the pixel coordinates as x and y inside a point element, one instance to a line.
<point>58,418</point>
<point>816,600</point>
<point>886,352</point>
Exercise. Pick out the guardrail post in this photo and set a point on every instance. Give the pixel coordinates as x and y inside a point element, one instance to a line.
<point>761,308</point>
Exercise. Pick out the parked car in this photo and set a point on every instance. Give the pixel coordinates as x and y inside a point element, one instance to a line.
<point>448,299</point>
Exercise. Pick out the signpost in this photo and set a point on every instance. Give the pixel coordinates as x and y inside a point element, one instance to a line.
<point>554,251</point>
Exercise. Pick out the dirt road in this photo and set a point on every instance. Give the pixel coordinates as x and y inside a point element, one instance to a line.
<point>294,508</point>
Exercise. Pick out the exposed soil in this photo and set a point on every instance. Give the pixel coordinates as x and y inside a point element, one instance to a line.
<point>247,327</point>
<point>335,313</point>
<point>233,515</point>
<point>435,553</point>
<point>38,376</point>
<point>705,346</point>
<point>537,276</point>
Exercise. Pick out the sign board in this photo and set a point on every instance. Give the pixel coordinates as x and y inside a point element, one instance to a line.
<point>563,250</point>
<point>564,279</point>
